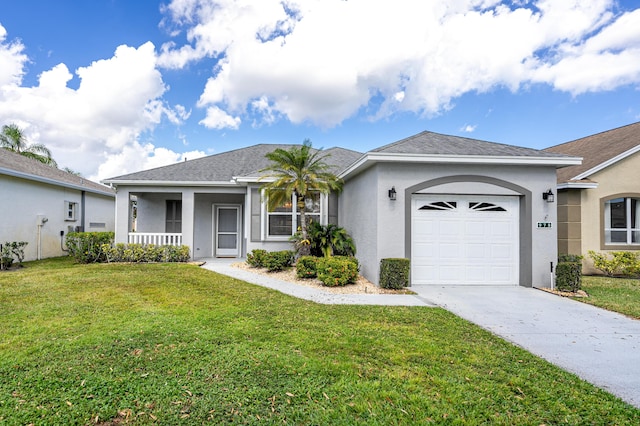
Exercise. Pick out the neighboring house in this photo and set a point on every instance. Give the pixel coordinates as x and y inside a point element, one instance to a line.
<point>41,204</point>
<point>599,200</point>
<point>464,211</point>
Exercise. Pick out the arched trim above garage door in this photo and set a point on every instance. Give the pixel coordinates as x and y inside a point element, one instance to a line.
<point>525,230</point>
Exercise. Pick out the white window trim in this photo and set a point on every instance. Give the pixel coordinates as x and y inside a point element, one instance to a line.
<point>628,229</point>
<point>264,213</point>
<point>70,211</point>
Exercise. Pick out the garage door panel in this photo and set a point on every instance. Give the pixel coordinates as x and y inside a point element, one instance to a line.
<point>470,240</point>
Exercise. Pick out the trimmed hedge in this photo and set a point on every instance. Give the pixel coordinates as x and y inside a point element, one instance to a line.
<point>394,273</point>
<point>138,253</point>
<point>86,247</point>
<point>278,260</point>
<point>256,258</point>
<point>337,271</point>
<point>307,267</point>
<point>569,276</point>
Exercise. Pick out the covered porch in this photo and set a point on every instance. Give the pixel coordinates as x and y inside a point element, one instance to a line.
<point>211,221</point>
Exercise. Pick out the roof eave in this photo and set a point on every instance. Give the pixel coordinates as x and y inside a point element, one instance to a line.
<point>134,182</point>
<point>374,157</point>
<point>607,163</point>
<point>49,181</point>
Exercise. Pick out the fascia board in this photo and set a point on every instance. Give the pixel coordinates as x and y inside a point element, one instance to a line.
<point>117,182</point>
<point>460,159</point>
<point>577,185</point>
<point>607,163</point>
<point>49,181</point>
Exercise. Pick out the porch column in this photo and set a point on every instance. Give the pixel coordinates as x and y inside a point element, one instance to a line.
<point>188,215</point>
<point>122,212</point>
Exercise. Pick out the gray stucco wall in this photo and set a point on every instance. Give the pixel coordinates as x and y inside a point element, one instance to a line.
<point>29,199</point>
<point>360,203</point>
<point>379,225</point>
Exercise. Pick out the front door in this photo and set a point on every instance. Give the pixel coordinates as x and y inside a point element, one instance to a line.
<point>227,228</point>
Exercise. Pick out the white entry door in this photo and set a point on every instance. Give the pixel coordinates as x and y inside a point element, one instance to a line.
<point>465,239</point>
<point>227,231</point>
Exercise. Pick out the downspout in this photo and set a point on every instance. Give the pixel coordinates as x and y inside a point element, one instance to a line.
<point>82,202</point>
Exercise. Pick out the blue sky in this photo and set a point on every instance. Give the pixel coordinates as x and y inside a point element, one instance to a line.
<point>117,86</point>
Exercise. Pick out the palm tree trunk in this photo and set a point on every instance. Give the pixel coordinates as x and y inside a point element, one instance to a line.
<point>304,248</point>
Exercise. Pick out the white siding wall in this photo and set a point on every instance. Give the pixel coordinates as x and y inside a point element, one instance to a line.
<point>23,200</point>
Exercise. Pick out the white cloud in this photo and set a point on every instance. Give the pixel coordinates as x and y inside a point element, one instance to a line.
<point>324,60</point>
<point>135,157</point>
<point>12,60</point>
<point>468,128</point>
<point>118,100</point>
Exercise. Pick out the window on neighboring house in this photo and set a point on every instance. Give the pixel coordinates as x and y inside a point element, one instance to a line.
<point>622,221</point>
<point>71,210</point>
<point>283,221</point>
<point>173,221</point>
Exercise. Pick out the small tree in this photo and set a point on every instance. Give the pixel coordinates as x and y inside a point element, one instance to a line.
<point>13,139</point>
<point>298,171</point>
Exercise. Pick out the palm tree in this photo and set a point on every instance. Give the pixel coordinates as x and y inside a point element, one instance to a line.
<point>13,139</point>
<point>298,171</point>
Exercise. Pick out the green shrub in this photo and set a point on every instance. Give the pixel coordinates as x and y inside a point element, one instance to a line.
<point>394,273</point>
<point>256,258</point>
<point>337,271</point>
<point>328,240</point>
<point>86,247</point>
<point>569,276</point>
<point>570,258</point>
<point>11,252</point>
<point>624,263</point>
<point>278,260</point>
<point>145,253</point>
<point>306,267</point>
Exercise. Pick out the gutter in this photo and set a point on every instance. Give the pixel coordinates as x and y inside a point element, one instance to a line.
<point>49,181</point>
<point>370,158</point>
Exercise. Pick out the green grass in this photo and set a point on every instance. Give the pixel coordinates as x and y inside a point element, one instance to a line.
<point>176,344</point>
<point>615,294</point>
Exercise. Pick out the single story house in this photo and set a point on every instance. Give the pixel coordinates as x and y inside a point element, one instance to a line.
<point>41,204</point>
<point>464,211</point>
<point>599,200</point>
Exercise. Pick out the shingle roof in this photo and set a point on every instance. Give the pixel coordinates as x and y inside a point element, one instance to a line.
<point>225,166</point>
<point>429,143</point>
<point>597,149</point>
<point>28,168</point>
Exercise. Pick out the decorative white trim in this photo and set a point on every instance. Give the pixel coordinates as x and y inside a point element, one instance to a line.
<point>607,163</point>
<point>117,182</point>
<point>577,185</point>
<point>375,157</point>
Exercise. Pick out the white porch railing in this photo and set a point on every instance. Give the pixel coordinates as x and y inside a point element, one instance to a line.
<point>156,238</point>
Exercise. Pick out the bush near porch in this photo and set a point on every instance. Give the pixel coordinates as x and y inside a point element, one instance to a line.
<point>98,247</point>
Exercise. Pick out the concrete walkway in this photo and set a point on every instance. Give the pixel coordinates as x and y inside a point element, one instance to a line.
<point>599,346</point>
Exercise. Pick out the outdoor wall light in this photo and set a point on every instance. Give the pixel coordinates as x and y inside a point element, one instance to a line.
<point>548,196</point>
<point>392,193</point>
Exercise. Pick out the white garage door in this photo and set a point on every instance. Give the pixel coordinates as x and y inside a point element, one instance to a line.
<point>464,239</point>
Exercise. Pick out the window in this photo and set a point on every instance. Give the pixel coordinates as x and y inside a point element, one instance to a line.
<point>173,221</point>
<point>622,221</point>
<point>284,220</point>
<point>440,205</point>
<point>71,211</point>
<point>485,207</point>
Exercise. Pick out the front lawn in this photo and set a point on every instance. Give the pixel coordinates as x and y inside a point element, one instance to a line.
<point>615,294</point>
<point>176,344</point>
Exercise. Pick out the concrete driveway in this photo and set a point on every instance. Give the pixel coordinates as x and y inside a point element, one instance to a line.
<point>599,346</point>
